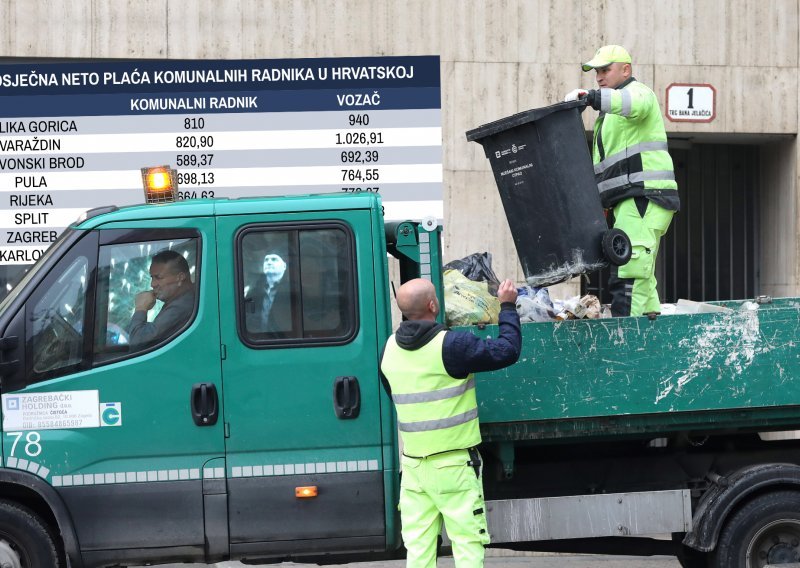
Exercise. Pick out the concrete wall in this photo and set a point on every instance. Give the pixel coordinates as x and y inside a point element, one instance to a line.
<point>498,57</point>
<point>778,219</point>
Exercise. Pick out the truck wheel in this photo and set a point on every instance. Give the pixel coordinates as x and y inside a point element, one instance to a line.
<point>25,541</point>
<point>616,247</point>
<point>764,532</point>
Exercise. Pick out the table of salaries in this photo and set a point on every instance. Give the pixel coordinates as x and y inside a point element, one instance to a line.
<point>75,135</point>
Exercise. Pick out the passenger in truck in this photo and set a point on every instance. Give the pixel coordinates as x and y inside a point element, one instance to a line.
<point>269,303</point>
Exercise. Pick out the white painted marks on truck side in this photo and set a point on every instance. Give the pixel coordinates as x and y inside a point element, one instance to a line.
<point>731,342</point>
<point>620,337</point>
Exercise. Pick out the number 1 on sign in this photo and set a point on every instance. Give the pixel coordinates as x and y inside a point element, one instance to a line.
<point>690,92</point>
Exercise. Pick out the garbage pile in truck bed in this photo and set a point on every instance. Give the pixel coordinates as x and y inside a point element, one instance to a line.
<point>470,297</point>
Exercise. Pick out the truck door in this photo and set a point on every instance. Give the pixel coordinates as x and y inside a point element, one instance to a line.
<point>301,382</point>
<point>106,410</point>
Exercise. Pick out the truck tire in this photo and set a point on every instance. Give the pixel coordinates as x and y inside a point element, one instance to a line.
<point>26,541</point>
<point>765,531</point>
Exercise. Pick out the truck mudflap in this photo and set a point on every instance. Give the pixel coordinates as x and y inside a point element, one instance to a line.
<point>35,485</point>
<point>589,516</point>
<point>729,492</point>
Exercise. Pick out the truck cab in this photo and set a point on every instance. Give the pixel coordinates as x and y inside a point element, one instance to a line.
<point>232,433</point>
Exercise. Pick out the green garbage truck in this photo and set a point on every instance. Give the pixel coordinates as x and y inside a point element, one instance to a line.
<point>250,423</point>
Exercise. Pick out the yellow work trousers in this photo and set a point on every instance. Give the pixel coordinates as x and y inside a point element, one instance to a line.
<point>438,488</point>
<point>633,285</point>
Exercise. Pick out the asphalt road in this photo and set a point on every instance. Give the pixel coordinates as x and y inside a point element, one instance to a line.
<point>539,561</point>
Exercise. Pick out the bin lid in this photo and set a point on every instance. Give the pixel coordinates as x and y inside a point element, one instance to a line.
<point>509,122</point>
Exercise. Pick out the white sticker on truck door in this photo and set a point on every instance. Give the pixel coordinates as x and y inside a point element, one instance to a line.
<point>51,410</point>
<point>111,414</point>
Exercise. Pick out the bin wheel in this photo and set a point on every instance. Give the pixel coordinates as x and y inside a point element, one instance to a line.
<point>616,247</point>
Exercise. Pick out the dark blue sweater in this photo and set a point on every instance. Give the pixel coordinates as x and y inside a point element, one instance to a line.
<point>462,352</point>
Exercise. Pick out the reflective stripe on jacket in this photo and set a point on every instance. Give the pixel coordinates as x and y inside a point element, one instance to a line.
<point>435,412</point>
<point>630,148</point>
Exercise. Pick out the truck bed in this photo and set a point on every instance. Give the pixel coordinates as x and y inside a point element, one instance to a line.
<point>694,373</point>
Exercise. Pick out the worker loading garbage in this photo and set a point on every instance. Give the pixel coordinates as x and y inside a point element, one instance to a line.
<point>560,199</point>
<point>634,173</point>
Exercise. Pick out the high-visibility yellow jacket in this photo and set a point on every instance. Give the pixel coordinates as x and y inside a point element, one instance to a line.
<point>435,412</point>
<point>630,148</point>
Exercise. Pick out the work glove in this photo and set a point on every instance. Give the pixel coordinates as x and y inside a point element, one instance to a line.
<point>575,94</point>
<point>593,99</point>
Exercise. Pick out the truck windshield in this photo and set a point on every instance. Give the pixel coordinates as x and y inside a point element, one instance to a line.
<point>33,270</point>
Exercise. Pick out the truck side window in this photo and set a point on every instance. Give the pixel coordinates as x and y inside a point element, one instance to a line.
<point>57,321</point>
<point>297,284</point>
<point>145,295</point>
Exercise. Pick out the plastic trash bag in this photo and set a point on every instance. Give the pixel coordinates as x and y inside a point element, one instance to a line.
<point>576,307</point>
<point>592,305</point>
<point>748,307</point>
<point>477,267</point>
<point>468,302</point>
<point>565,309</point>
<point>690,307</point>
<point>534,304</point>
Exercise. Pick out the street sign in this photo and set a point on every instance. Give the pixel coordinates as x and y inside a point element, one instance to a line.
<point>74,136</point>
<point>687,102</point>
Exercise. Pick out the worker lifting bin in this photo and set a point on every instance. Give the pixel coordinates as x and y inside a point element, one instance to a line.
<point>544,173</point>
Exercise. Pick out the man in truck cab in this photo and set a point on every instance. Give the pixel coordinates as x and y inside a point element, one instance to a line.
<point>634,174</point>
<point>427,370</point>
<point>172,284</point>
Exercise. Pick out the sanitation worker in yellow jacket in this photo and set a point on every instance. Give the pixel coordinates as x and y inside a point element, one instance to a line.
<point>427,370</point>
<point>634,174</point>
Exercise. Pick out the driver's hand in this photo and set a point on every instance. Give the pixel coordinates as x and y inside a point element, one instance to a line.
<point>144,301</point>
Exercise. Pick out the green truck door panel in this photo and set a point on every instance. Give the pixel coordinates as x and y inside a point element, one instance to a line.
<point>286,369</point>
<point>134,480</point>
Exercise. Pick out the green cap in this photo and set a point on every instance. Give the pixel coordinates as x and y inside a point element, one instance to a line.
<point>607,55</point>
